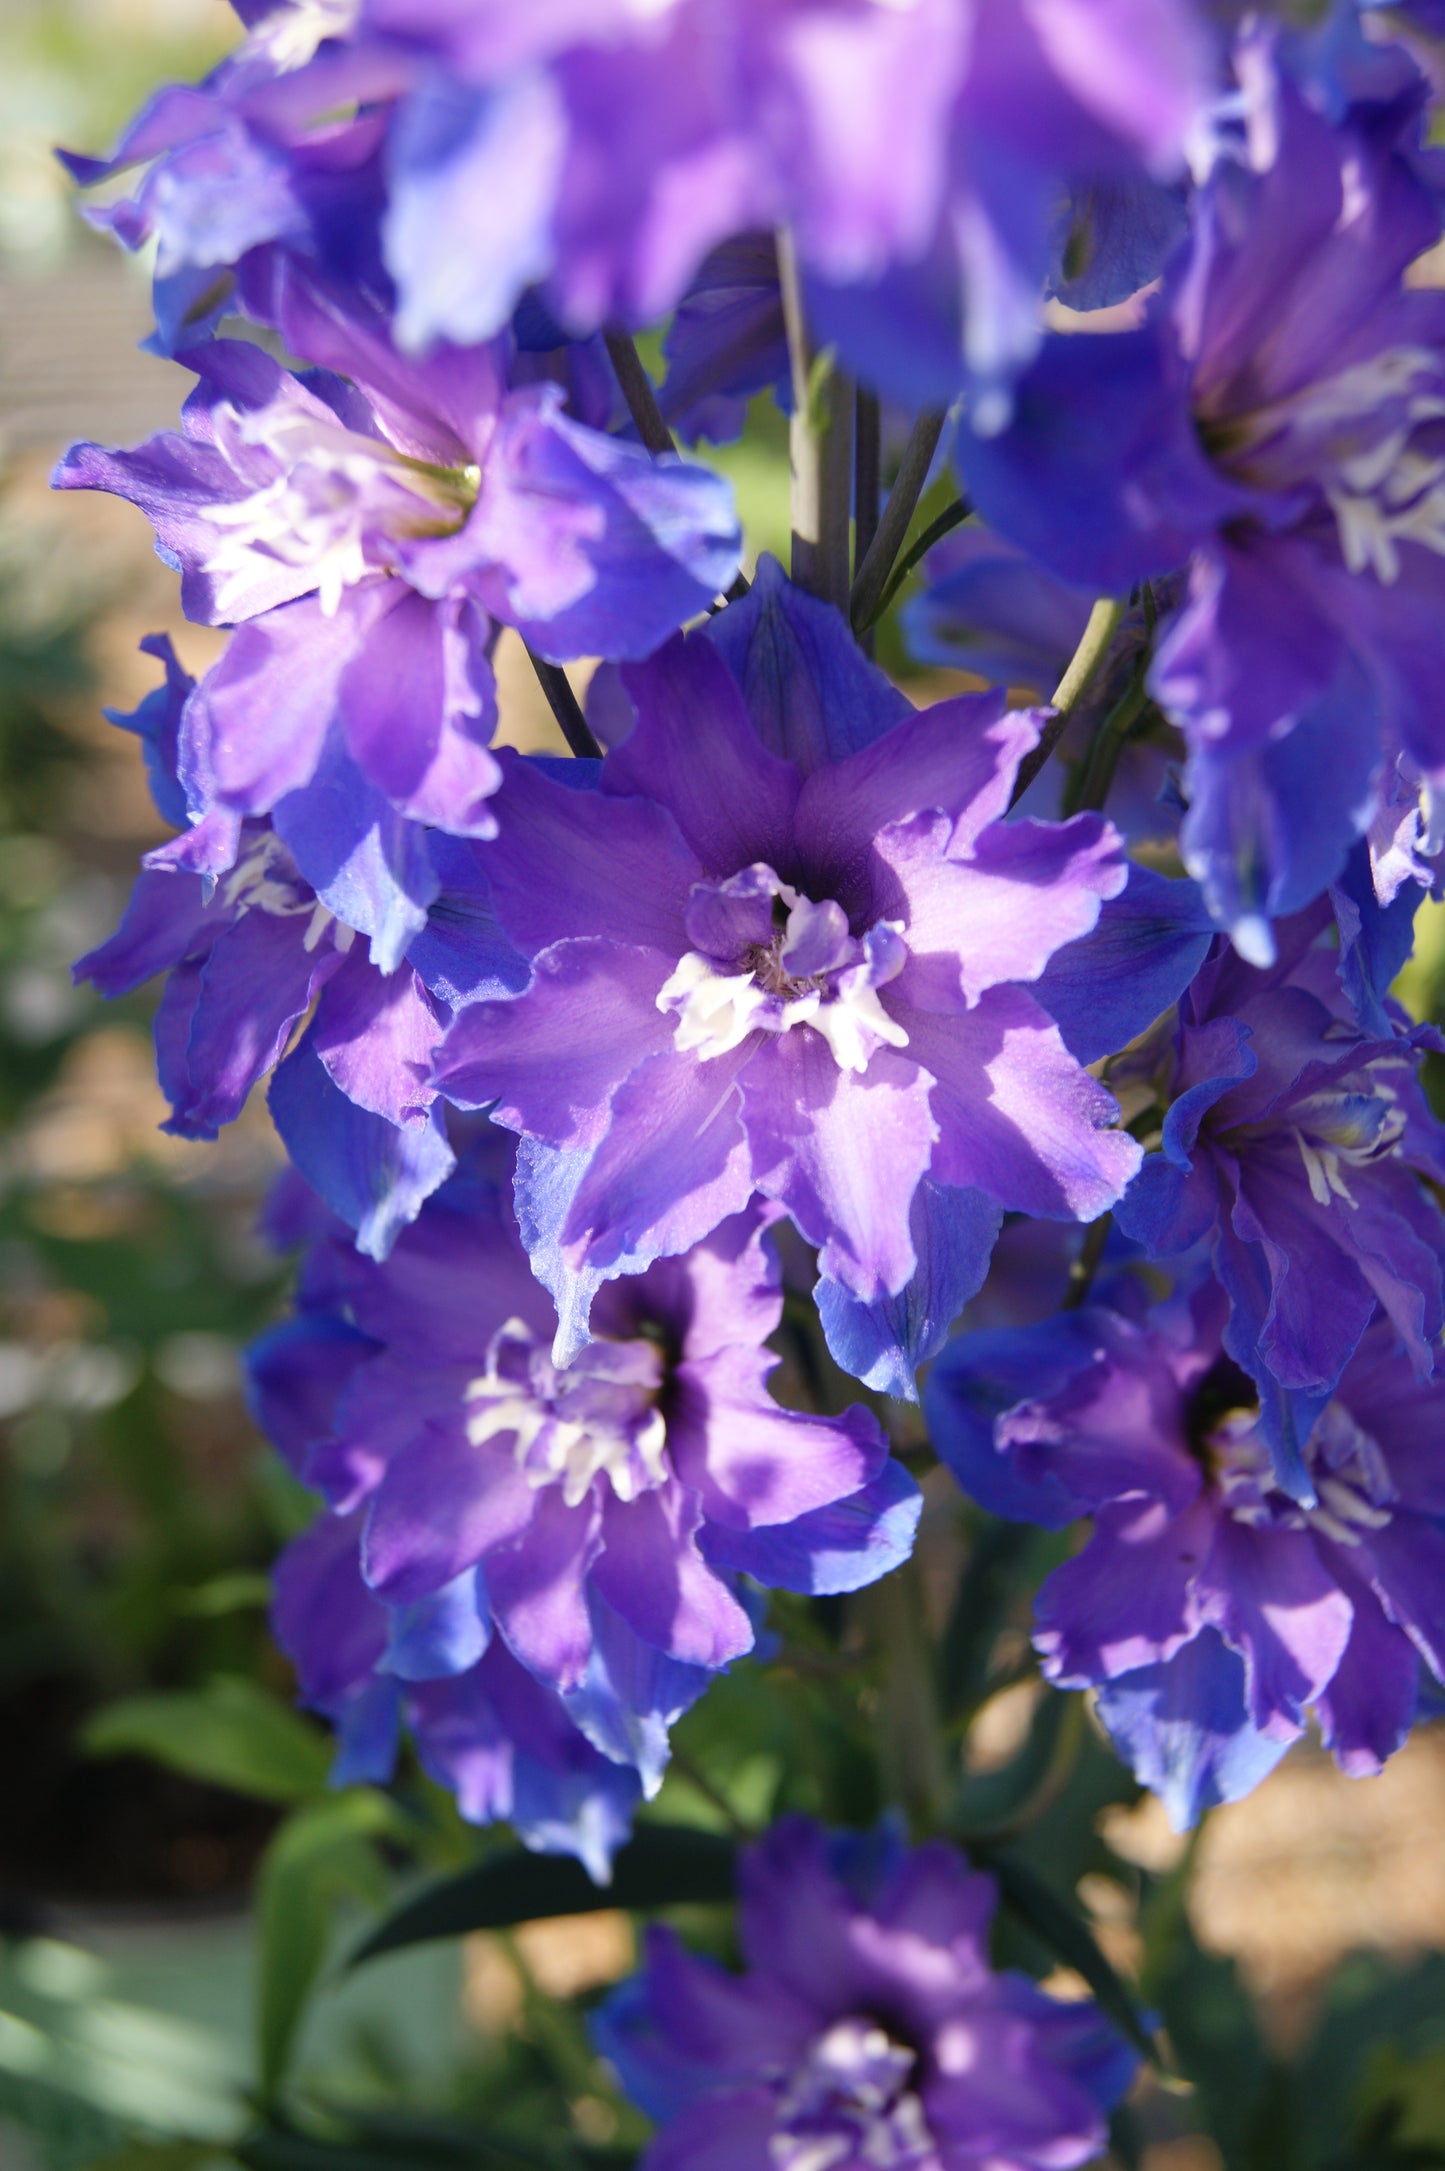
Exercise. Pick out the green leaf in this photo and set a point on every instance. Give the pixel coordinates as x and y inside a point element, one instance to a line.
<point>321,1853</point>
<point>662,1866</point>
<point>1057,1923</point>
<point>231,1734</point>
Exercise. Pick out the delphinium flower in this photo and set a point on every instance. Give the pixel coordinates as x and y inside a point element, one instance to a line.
<point>868,2028</point>
<point>781,944</point>
<point>366,535</point>
<point>595,1515</point>
<point>483,1727</point>
<point>1293,1146</point>
<point>250,951</point>
<point>1276,426</point>
<point>1211,1610</point>
<point>916,154</point>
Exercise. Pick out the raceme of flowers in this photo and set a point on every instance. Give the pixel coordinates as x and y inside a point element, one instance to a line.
<point>741,1029</point>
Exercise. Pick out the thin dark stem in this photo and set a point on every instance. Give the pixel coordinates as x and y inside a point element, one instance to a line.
<point>567,709</point>
<point>820,446</point>
<point>867,483</point>
<point>952,516</point>
<point>638,390</point>
<point>867,472</point>
<point>1109,743</point>
<point>897,513</point>
<point>1086,1266</point>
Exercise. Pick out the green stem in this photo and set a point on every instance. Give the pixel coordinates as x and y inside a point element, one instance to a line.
<point>866,599</point>
<point>820,443</point>
<point>952,516</point>
<point>1104,622</point>
<point>910,1739</point>
<point>1109,743</point>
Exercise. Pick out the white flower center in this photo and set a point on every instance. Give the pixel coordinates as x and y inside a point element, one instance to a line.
<point>848,2103</point>
<point>807,971</point>
<point>340,499</point>
<point>1383,490</point>
<point>264,879</point>
<point>593,1418</point>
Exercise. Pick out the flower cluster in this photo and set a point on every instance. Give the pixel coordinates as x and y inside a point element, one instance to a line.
<point>744,1026</point>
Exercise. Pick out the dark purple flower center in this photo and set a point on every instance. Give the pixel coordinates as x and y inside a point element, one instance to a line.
<point>1353,1488</point>
<point>597,1417</point>
<point>850,2102</point>
<point>766,959</point>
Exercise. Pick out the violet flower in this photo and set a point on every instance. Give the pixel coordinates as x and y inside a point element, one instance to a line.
<point>1293,1144</point>
<point>250,951</point>
<point>1276,426</point>
<point>1211,1610</point>
<point>868,2028</point>
<point>912,152</point>
<point>367,534</point>
<point>597,1514</point>
<point>781,944</point>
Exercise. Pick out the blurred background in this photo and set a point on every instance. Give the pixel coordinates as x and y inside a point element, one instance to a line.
<point>140,1511</point>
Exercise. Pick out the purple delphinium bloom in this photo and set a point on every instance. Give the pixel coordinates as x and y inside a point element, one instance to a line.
<point>1210,1609</point>
<point>1277,427</point>
<point>930,141</point>
<point>250,950</point>
<point>1293,1144</point>
<point>597,1514</point>
<point>482,1726</point>
<point>366,534</point>
<point>868,2029</point>
<point>781,943</point>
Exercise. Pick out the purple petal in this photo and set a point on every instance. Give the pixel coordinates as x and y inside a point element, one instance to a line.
<point>254,986</point>
<point>442,1505</point>
<point>843,1154</point>
<point>1017,1117</point>
<point>674,1163</point>
<point>812,695</point>
<point>538,1589</point>
<point>418,706</point>
<point>1274,1600</point>
<point>751,1462</point>
<point>1128,1600</point>
<point>570,863</point>
<point>959,757</point>
<point>553,1058</point>
<point>375,1175</point>
<point>1105,988</point>
<point>653,1575</point>
<point>1000,914</point>
<point>1184,1730</point>
<point>881,1343</point>
<point>694,749</point>
<point>376,1035</point>
<point>837,1548</point>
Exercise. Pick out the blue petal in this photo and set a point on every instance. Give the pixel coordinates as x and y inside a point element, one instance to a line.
<point>1183,1729</point>
<point>953,1234</point>
<point>830,1550</point>
<point>374,1174</point>
<point>1145,948</point>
